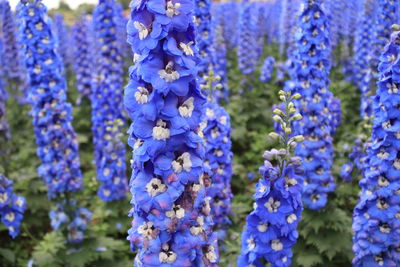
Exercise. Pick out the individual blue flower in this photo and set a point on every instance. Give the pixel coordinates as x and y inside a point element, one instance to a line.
<point>171,213</point>
<point>247,41</point>
<point>375,218</point>
<point>271,228</point>
<point>313,60</point>
<point>107,105</point>
<point>267,69</point>
<point>12,207</point>
<point>82,35</point>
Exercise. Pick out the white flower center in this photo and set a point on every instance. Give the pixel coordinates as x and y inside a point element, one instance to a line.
<point>155,187</point>
<point>276,245</point>
<point>176,212</point>
<point>142,96</point>
<point>272,205</point>
<point>142,29</point>
<point>3,197</point>
<point>250,243</point>
<point>291,218</point>
<point>167,257</point>
<point>160,132</point>
<point>169,74</point>
<point>172,9</point>
<point>262,227</point>
<point>186,109</point>
<point>396,164</point>
<point>183,162</point>
<point>10,216</point>
<point>187,50</point>
<point>146,229</point>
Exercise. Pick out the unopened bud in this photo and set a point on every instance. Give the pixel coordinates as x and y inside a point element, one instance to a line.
<point>274,135</point>
<point>277,118</point>
<point>297,117</point>
<point>288,130</point>
<point>278,111</point>
<point>296,96</point>
<point>298,138</point>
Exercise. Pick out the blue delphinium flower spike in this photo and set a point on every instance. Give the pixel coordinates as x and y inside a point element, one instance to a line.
<point>12,207</point>
<point>55,136</point>
<point>247,41</point>
<point>62,39</point>
<point>267,69</point>
<point>166,105</point>
<point>375,218</point>
<point>82,35</point>
<point>311,69</point>
<point>107,104</point>
<point>4,126</point>
<point>271,228</point>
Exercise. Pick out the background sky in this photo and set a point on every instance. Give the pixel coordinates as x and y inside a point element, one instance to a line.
<point>55,3</point>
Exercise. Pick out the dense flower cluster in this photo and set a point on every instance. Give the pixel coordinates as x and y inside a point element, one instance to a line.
<point>76,226</point>
<point>285,23</point>
<point>170,213</point>
<point>386,15</point>
<point>220,61</point>
<point>335,109</point>
<point>55,136</point>
<point>271,228</point>
<point>218,162</point>
<point>107,104</point>
<point>4,126</point>
<point>375,219</point>
<point>362,59</point>
<point>62,38</point>
<point>204,36</point>
<point>12,207</point>
<point>82,35</point>
<point>11,53</point>
<point>247,38</point>
<point>312,67</point>
<point>267,69</point>
<point>230,13</point>
<point>358,158</point>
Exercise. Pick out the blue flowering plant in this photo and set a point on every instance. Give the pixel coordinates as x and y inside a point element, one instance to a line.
<point>271,228</point>
<point>171,213</point>
<point>12,207</point>
<point>107,105</point>
<point>82,37</point>
<point>267,69</point>
<point>376,216</point>
<point>55,137</point>
<point>311,79</point>
<point>218,162</point>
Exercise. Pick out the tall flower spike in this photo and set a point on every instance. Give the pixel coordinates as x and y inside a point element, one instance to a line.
<point>218,162</point>
<point>82,34</point>
<point>375,218</point>
<point>363,68</point>
<point>271,228</point>
<point>14,70</point>
<point>220,52</point>
<point>62,39</point>
<point>107,104</point>
<point>386,15</point>
<point>4,126</point>
<point>55,136</point>
<point>247,41</point>
<point>230,25</point>
<point>204,35</point>
<point>312,60</point>
<point>12,207</point>
<point>165,104</point>
<point>267,69</point>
